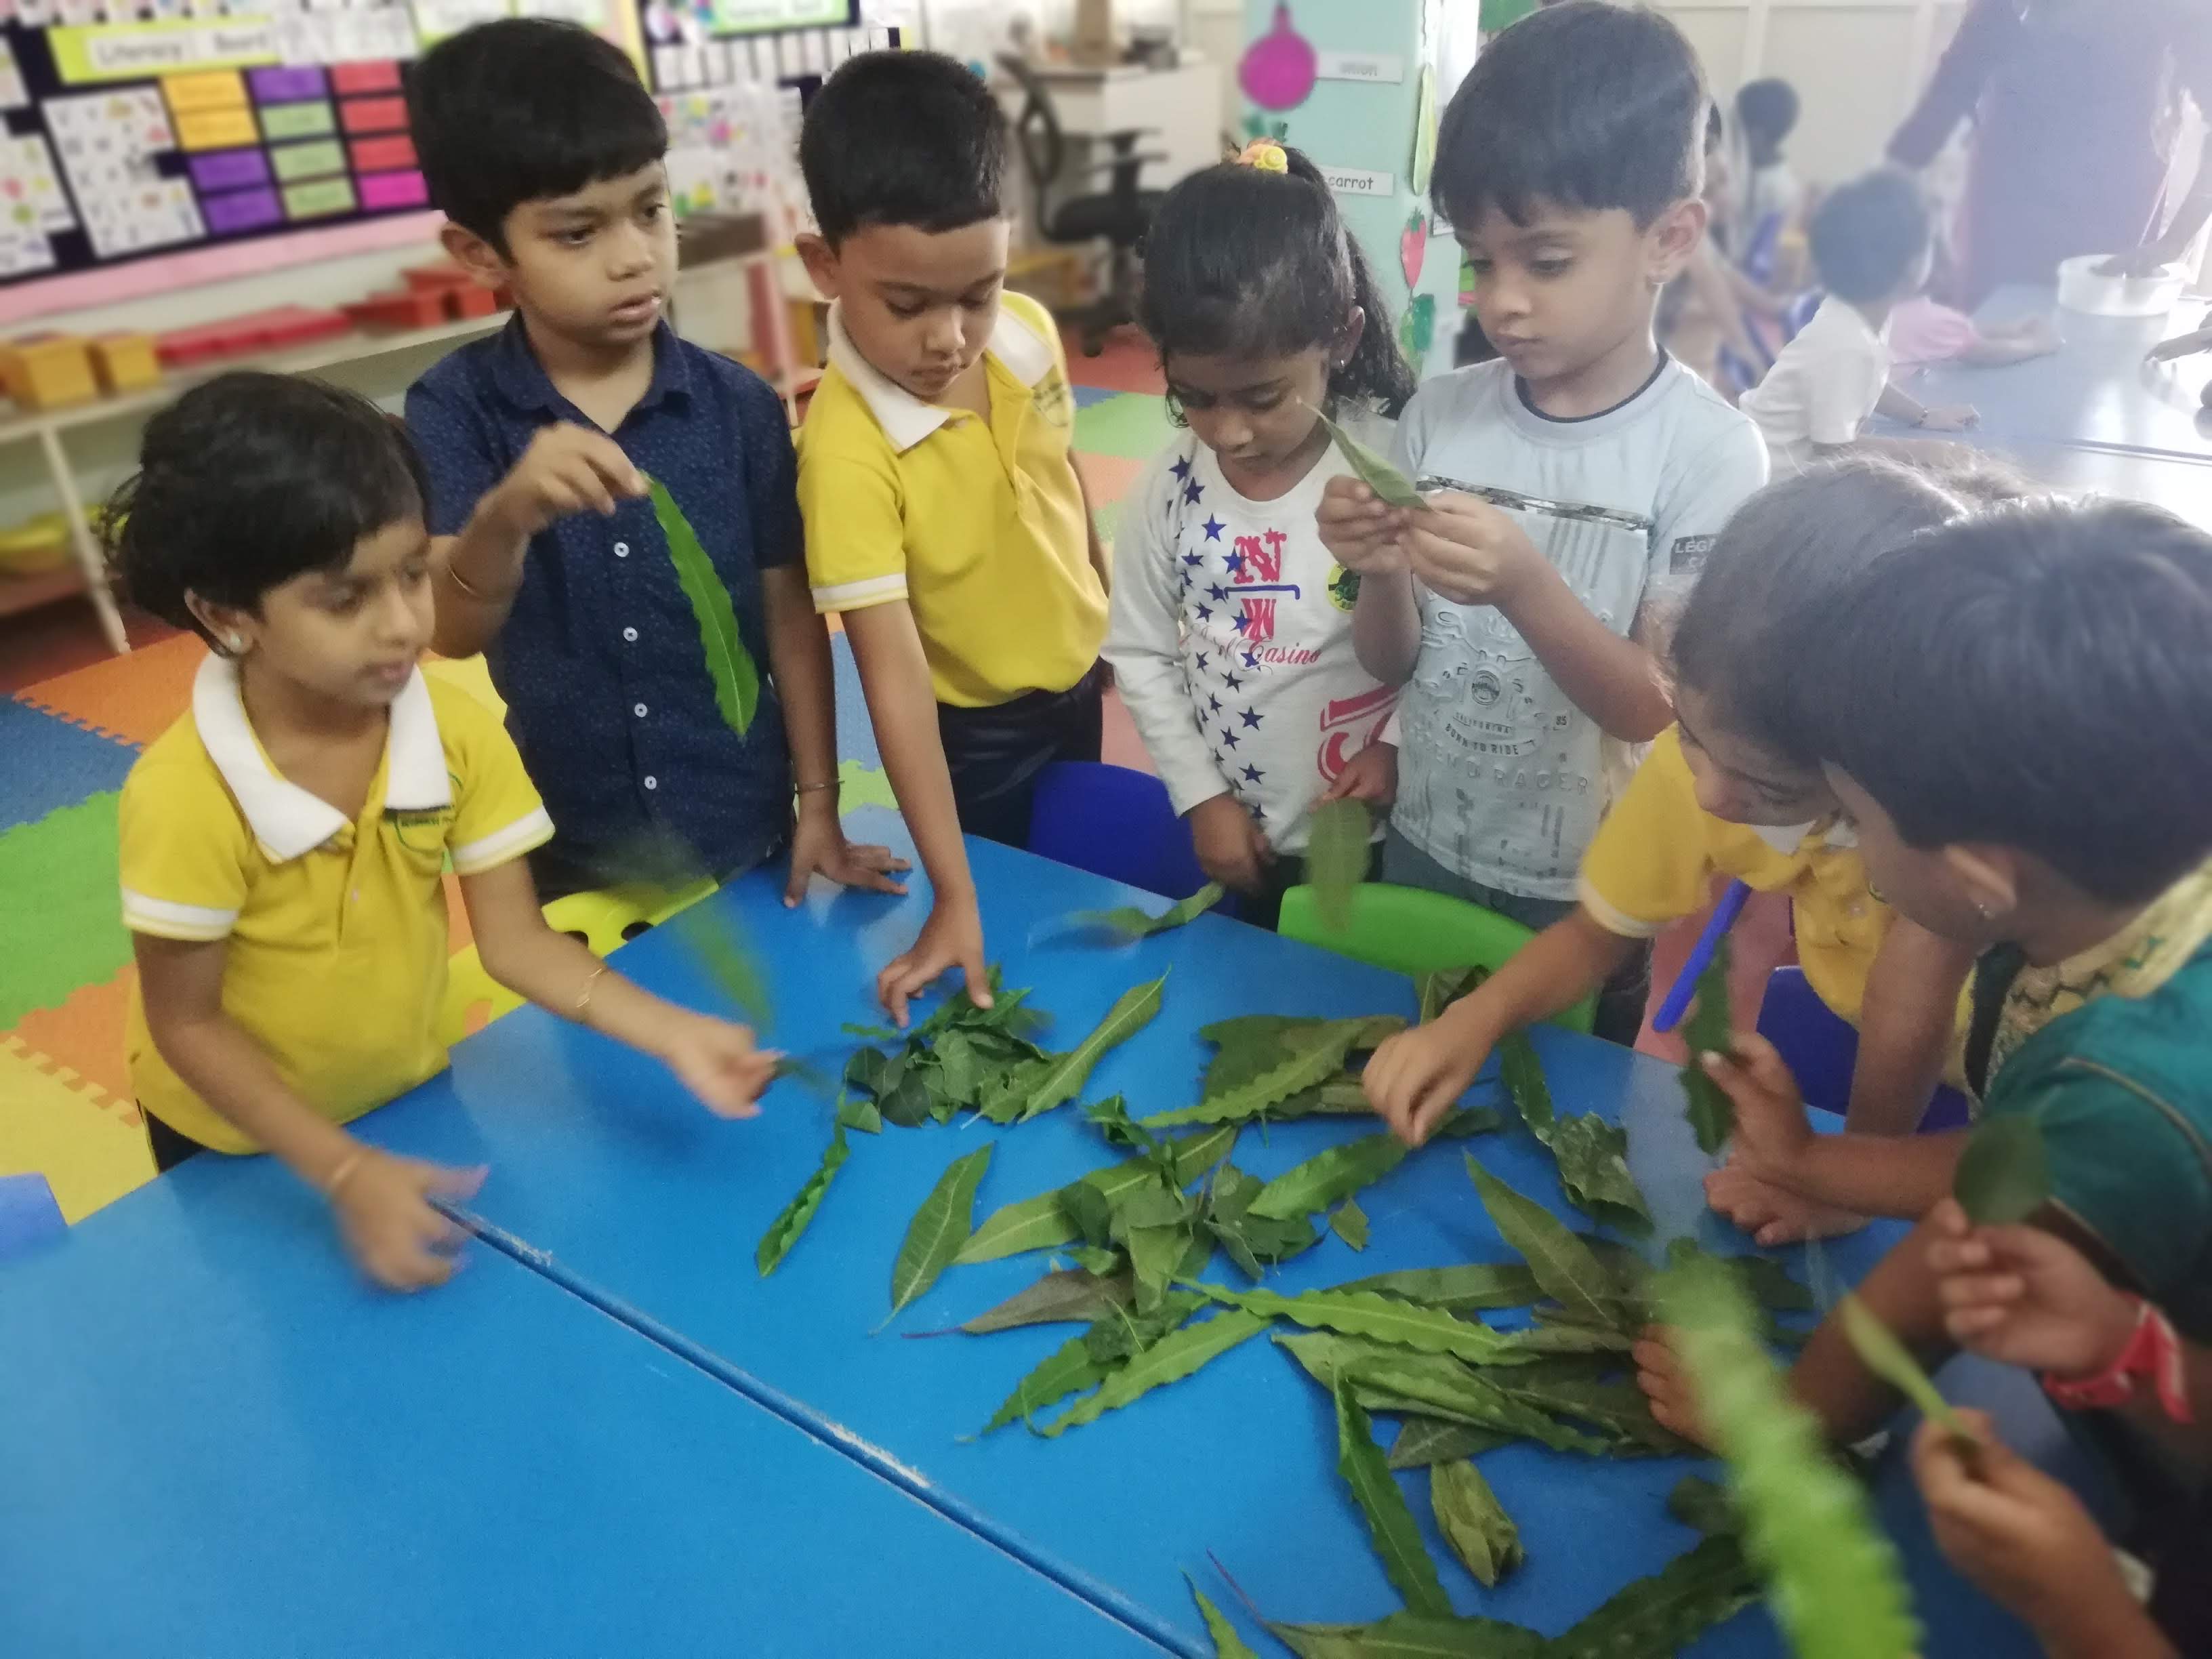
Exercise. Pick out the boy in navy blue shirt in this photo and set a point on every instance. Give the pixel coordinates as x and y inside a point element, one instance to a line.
<point>545,154</point>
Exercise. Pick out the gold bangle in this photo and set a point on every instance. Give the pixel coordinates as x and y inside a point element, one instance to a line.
<point>591,984</point>
<point>809,788</point>
<point>468,589</point>
<point>345,1172</point>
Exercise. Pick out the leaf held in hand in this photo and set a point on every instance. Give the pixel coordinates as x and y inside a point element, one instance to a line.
<point>938,1229</point>
<point>1390,485</point>
<point>710,934</point>
<point>1130,922</point>
<point>1566,1269</point>
<point>1170,1359</point>
<point>1339,844</point>
<point>2005,1174</point>
<point>729,665</point>
<point>1473,1522</point>
<point>1710,1030</point>
<point>1880,1351</point>
<point>783,1233</point>
<point>1397,1540</point>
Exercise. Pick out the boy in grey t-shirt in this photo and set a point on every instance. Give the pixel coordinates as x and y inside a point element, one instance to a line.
<point>1562,481</point>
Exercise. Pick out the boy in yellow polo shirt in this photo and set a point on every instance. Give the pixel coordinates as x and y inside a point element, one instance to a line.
<point>1717,797</point>
<point>283,843</point>
<point>944,520</point>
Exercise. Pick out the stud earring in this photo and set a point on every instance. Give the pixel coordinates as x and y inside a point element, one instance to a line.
<point>235,641</point>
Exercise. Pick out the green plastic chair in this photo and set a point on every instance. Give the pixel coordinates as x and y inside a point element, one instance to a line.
<point>1409,930</point>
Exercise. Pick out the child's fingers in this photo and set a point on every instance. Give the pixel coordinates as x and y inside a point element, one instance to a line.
<point>1950,1221</point>
<point>977,978</point>
<point>2000,1291</point>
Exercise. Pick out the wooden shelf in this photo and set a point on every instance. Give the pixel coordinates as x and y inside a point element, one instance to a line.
<point>28,592</point>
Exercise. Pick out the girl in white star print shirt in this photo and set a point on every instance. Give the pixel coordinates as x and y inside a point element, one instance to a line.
<point>1231,631</point>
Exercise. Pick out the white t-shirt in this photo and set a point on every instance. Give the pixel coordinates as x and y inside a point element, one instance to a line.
<point>1231,638</point>
<point>1822,387</point>
<point>1501,778</point>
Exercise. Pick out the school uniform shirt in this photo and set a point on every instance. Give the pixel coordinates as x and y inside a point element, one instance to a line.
<point>1501,778</point>
<point>337,931</point>
<point>1231,639</point>
<point>608,691</point>
<point>977,523</point>
<point>1823,386</point>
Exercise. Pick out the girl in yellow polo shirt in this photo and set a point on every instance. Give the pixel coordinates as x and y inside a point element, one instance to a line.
<point>1718,798</point>
<point>283,843</point>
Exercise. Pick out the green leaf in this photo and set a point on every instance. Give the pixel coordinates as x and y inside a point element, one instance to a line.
<point>1350,1224</point>
<point>1114,1338</point>
<point>1669,1610</point>
<point>1479,1285</point>
<point>1374,1489</point>
<point>1836,1587</point>
<point>1414,1635</point>
<point>783,1233</point>
<point>1426,1440</point>
<point>1328,1176</point>
<point>1592,1158</point>
<point>1619,1409</point>
<point>1042,1223</point>
<point>1889,1359</point>
<point>1227,1644</point>
<point>1388,483</point>
<point>1438,991</point>
<point>1170,1359</point>
<point>729,664</point>
<point>1339,842</point>
<point>860,1113</point>
<point>938,1229</point>
<point>1397,1380</point>
<point>1070,1295</point>
<point>1521,1071</point>
<point>1308,1055</point>
<point>1056,1080</point>
<point>712,937</point>
<point>1710,1030</point>
<point>962,1069</point>
<point>2004,1175</point>
<point>1339,1097</point>
<point>1130,922</point>
<point>1701,1505</point>
<point>1363,1313</point>
<point>1564,1266</point>
<point>1473,1522</point>
<point>1156,1255</point>
<point>1069,1369</point>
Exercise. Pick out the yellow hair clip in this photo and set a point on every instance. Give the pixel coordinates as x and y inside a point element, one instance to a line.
<point>1266,155</point>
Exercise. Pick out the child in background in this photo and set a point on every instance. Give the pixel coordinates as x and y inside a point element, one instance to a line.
<point>1231,636</point>
<point>944,520</point>
<point>545,154</point>
<point>1717,796</point>
<point>1564,481</point>
<point>1924,331</point>
<point>1772,196</point>
<point>1871,245</point>
<point>281,843</point>
<point>2015,711</point>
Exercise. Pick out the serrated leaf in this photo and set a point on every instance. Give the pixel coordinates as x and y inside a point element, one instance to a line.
<point>1667,1612</point>
<point>1328,1176</point>
<point>2005,1174</point>
<point>1339,1097</point>
<point>1426,1440</point>
<point>938,1229</point>
<point>1476,1285</point>
<point>783,1233</point>
<point>1130,922</point>
<point>1381,1318</point>
<point>1619,1409</point>
<point>1390,1523</point>
<point>1069,1369</point>
<point>1415,1636</point>
<point>1055,1081</point>
<point>1710,1030</point>
<point>1522,1070</point>
<point>1390,485</point>
<point>1350,1224</point>
<point>1438,990</point>
<point>1592,1158</point>
<point>1473,1522</point>
<point>1170,1359</point>
<point>1339,845</point>
<point>1068,1296</point>
<point>1042,1223</point>
<point>730,666</point>
<point>712,938</point>
<point>1398,1380</point>
<point>1227,1644</point>
<point>1564,1266</point>
<point>1308,1055</point>
<point>1880,1351</point>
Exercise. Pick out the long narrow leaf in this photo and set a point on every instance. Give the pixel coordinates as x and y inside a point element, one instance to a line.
<point>1339,844</point>
<point>1418,1636</point>
<point>1565,1266</point>
<point>1227,1644</point>
<point>1170,1359</point>
<point>1069,1369</point>
<point>1665,1613</point>
<point>783,1233</point>
<point>730,666</point>
<point>938,1229</point>
<point>1363,1313</point>
<point>1130,922</point>
<point>1058,1079</point>
<point>1891,1360</point>
<point>1389,1522</point>
<point>1322,1179</point>
<point>1710,1030</point>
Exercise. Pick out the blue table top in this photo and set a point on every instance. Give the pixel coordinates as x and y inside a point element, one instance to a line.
<point>216,1440</point>
<point>597,1157</point>
<point>2096,391</point>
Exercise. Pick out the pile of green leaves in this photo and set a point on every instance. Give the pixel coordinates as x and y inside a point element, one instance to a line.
<point>1592,1154</point>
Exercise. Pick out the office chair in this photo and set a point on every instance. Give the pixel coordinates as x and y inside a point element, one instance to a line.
<point>1120,215</point>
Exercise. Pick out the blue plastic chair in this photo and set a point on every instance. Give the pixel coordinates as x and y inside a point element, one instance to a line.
<point>1821,1048</point>
<point>28,1215</point>
<point>1115,822</point>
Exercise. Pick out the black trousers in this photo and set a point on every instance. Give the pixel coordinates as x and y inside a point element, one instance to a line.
<point>995,754</point>
<point>170,1148</point>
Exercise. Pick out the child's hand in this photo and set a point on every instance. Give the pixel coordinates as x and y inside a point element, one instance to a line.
<point>1666,1384</point>
<point>2023,1296</point>
<point>1370,775</point>
<point>1949,417</point>
<point>1467,552</point>
<point>1773,1215</point>
<point>951,938</point>
<point>1232,847</point>
<point>1360,529</point>
<point>567,469</point>
<point>382,1204</point>
<point>818,847</point>
<point>2024,1539</point>
<point>716,1059</point>
<point>1416,1078</point>
<point>1772,1132</point>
